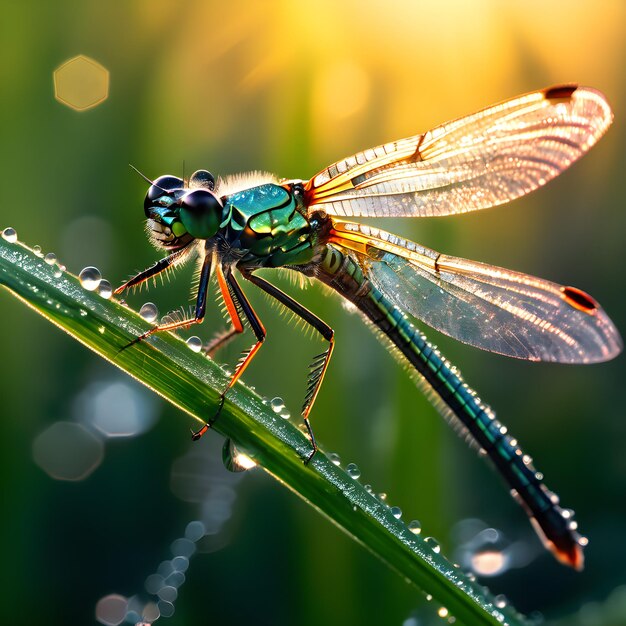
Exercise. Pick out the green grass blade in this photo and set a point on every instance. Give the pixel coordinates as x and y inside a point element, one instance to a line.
<point>192,382</point>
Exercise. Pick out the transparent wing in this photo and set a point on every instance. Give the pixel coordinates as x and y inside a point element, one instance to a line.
<point>478,161</point>
<point>485,306</point>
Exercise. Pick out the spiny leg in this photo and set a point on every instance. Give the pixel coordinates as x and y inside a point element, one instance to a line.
<point>236,302</point>
<point>219,341</point>
<point>205,275</point>
<point>159,267</point>
<point>320,362</point>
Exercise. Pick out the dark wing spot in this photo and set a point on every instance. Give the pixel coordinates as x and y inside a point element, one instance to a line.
<point>560,92</point>
<point>579,300</point>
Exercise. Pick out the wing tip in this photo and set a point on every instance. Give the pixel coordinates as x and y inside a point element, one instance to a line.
<point>560,92</point>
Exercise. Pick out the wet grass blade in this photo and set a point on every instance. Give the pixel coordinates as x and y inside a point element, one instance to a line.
<point>165,364</point>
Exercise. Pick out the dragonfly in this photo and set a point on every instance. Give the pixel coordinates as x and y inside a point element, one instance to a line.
<point>238,225</point>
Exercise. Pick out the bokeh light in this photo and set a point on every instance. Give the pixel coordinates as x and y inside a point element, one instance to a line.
<point>67,451</point>
<point>81,83</point>
<point>111,610</point>
<point>118,407</point>
<point>290,88</point>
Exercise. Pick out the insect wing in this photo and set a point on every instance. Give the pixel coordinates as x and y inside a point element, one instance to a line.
<point>488,307</point>
<point>475,162</point>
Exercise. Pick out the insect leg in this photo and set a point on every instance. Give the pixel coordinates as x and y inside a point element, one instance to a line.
<point>205,275</point>
<point>320,362</point>
<point>236,304</point>
<point>160,266</point>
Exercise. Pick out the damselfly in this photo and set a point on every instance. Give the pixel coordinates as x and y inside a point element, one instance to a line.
<point>246,223</point>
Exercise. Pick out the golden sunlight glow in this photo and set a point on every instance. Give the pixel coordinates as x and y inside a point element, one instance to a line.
<point>340,91</point>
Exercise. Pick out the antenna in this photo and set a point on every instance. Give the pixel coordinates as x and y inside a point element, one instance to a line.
<point>146,178</point>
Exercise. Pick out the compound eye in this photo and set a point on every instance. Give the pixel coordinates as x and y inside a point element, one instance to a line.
<point>200,213</point>
<point>202,179</point>
<point>160,188</point>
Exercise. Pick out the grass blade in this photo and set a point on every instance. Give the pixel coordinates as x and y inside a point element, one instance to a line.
<point>193,383</point>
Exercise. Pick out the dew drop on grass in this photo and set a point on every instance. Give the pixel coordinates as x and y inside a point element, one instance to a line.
<point>194,343</point>
<point>434,544</point>
<point>37,251</point>
<point>396,511</point>
<point>90,278</point>
<point>334,458</point>
<point>149,311</point>
<point>9,234</point>
<point>353,470</point>
<point>277,404</point>
<point>234,459</point>
<point>415,527</point>
<point>50,258</point>
<point>105,290</point>
<point>57,273</point>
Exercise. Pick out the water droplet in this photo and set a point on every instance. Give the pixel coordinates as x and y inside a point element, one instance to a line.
<point>105,290</point>
<point>166,319</point>
<point>428,597</point>
<point>265,400</point>
<point>434,544</point>
<point>415,527</point>
<point>50,258</point>
<point>368,488</point>
<point>234,459</point>
<point>501,601</point>
<point>285,414</point>
<point>37,250</point>
<point>90,278</point>
<point>442,612</point>
<point>149,311</point>
<point>334,458</point>
<point>277,404</point>
<point>57,272</point>
<point>382,496</point>
<point>9,234</point>
<point>353,470</point>
<point>195,343</point>
<point>396,511</point>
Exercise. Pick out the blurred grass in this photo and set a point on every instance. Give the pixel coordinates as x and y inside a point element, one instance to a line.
<point>240,86</point>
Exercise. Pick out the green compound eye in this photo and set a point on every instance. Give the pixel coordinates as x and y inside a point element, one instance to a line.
<point>200,213</point>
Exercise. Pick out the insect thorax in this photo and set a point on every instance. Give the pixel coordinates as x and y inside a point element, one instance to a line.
<point>266,226</point>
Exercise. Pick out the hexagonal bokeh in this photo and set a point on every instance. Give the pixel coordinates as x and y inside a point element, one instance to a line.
<point>81,83</point>
<point>67,451</point>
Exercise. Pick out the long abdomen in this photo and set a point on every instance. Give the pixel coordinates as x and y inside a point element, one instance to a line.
<point>458,403</point>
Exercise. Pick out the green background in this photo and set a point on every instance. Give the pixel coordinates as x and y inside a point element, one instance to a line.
<point>289,87</point>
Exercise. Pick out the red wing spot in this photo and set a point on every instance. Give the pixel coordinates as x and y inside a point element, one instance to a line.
<point>579,300</point>
<point>560,92</point>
